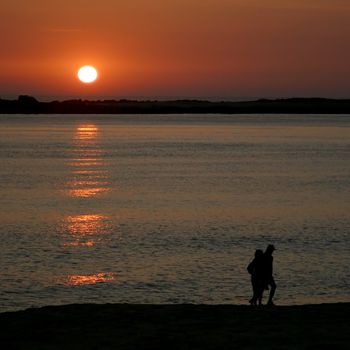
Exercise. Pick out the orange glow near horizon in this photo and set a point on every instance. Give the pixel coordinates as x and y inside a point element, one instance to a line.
<point>183,48</point>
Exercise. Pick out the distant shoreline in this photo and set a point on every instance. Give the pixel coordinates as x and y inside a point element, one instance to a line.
<point>131,326</point>
<point>29,105</point>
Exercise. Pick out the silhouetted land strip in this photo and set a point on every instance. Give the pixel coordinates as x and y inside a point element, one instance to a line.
<point>28,104</point>
<point>127,326</point>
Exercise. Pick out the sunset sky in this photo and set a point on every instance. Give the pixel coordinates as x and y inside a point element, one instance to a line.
<point>169,49</point>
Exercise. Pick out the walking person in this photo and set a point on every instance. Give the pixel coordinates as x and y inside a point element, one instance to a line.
<point>268,272</point>
<point>256,270</point>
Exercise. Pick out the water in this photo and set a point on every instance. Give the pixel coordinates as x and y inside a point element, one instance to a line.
<point>170,208</point>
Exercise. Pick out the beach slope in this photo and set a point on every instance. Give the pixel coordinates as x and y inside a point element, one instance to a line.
<point>127,326</point>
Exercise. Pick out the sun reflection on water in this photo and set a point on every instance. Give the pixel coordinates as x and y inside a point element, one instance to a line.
<point>88,179</point>
<point>84,229</point>
<point>89,175</point>
<point>87,192</point>
<point>76,280</point>
<point>85,224</point>
<point>88,131</point>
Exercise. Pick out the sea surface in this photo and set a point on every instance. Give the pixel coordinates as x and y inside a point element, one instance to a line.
<point>170,208</point>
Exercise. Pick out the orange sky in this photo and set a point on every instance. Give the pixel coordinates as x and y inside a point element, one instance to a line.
<point>182,48</point>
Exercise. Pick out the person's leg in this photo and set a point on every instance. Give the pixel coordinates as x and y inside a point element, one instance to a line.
<point>272,289</point>
<point>260,296</point>
<point>259,291</point>
<point>252,301</point>
<point>252,298</point>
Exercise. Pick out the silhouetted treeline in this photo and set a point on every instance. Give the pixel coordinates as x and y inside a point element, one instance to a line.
<point>28,104</point>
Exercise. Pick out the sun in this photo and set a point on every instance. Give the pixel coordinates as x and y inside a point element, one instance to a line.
<point>87,74</point>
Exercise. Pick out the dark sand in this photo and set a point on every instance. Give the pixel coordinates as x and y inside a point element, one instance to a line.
<point>116,326</point>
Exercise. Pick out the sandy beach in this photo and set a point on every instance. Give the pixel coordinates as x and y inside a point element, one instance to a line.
<point>127,326</point>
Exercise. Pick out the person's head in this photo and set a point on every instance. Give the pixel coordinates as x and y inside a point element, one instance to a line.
<point>270,249</point>
<point>258,253</point>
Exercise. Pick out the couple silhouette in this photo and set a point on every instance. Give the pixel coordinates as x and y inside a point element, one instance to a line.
<point>261,271</point>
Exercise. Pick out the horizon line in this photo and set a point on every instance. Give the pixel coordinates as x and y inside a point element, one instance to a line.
<point>171,98</point>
